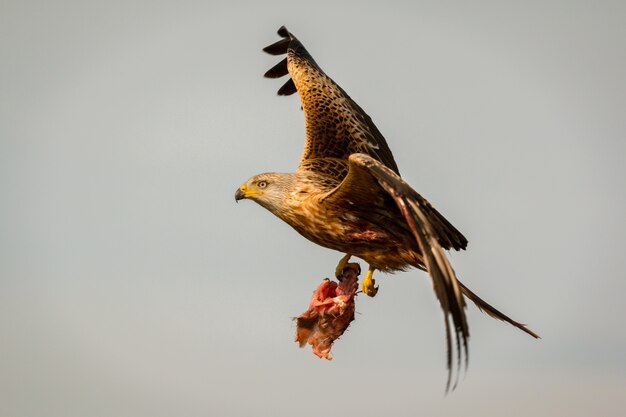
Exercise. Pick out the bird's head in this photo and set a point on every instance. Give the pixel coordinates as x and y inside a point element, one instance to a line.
<point>269,190</point>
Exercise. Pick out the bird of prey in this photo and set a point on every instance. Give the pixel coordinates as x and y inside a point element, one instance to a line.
<point>347,195</point>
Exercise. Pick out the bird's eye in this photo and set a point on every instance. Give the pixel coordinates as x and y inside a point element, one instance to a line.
<point>262,184</point>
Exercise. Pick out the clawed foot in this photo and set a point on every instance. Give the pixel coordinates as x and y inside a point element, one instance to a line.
<point>369,283</point>
<point>343,263</point>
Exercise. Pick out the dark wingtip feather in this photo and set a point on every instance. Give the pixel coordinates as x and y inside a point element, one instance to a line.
<point>288,88</point>
<point>278,48</point>
<point>278,70</point>
<point>283,32</point>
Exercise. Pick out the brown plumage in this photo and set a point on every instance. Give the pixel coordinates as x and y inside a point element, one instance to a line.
<point>347,194</point>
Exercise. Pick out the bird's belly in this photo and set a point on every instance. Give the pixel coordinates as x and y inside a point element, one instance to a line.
<point>379,247</point>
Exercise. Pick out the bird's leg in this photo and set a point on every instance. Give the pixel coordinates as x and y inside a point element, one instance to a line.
<point>342,264</point>
<point>369,284</point>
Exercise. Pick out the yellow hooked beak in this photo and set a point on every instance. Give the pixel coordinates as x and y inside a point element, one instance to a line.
<point>246,192</point>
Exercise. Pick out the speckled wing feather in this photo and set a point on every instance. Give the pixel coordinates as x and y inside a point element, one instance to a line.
<point>336,126</point>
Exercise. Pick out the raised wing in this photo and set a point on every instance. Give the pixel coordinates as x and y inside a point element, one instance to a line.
<point>336,126</point>
<point>368,181</point>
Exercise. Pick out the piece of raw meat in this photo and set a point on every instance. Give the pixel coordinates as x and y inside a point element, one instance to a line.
<point>330,312</point>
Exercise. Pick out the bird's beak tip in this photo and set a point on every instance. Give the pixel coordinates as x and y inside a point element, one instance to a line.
<point>239,195</point>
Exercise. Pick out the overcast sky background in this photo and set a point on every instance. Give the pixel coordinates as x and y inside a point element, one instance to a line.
<point>131,284</point>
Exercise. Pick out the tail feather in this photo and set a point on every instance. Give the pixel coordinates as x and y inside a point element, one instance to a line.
<point>493,312</point>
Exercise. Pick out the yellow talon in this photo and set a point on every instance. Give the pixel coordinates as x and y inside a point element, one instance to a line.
<point>341,265</point>
<point>369,283</point>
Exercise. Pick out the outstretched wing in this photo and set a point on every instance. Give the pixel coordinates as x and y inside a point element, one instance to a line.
<point>336,126</point>
<point>370,180</point>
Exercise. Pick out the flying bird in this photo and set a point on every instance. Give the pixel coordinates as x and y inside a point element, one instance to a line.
<point>347,195</point>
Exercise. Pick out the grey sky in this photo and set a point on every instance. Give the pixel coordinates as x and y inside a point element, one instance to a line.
<point>131,284</point>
